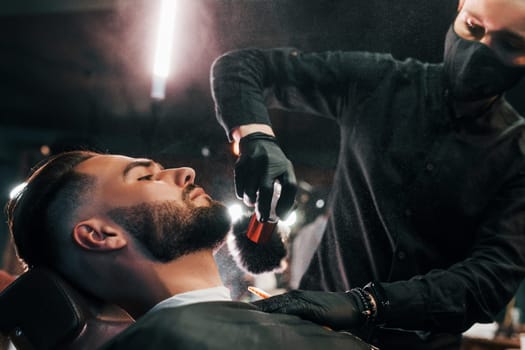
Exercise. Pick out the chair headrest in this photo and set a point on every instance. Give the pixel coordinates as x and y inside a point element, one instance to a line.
<point>40,310</point>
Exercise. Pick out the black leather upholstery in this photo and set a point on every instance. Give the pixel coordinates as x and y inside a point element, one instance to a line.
<point>40,310</point>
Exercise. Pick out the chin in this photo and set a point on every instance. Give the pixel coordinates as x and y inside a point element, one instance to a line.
<point>211,223</point>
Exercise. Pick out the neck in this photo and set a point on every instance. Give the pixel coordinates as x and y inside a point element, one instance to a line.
<point>190,272</point>
<point>158,281</point>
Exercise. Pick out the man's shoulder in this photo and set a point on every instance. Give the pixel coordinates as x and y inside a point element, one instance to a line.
<point>202,315</point>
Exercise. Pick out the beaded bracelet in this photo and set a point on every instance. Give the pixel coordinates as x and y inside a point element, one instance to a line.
<point>369,310</point>
<point>381,301</point>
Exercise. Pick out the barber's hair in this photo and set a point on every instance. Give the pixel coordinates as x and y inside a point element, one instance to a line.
<point>41,211</point>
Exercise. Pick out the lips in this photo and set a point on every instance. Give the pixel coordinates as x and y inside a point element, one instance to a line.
<point>197,192</point>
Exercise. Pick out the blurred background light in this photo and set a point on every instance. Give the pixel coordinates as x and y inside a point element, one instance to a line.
<point>45,150</point>
<point>161,66</point>
<point>205,151</point>
<point>16,190</point>
<point>235,211</point>
<point>291,219</point>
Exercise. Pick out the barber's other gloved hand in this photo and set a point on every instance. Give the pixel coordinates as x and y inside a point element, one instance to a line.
<point>339,311</point>
<point>260,163</point>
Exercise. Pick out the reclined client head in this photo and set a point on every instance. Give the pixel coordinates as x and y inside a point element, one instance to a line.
<point>113,224</point>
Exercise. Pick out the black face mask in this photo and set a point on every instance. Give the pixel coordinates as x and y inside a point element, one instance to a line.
<point>474,71</point>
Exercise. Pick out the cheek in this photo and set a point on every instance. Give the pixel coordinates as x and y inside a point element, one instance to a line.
<point>158,193</point>
<point>457,24</point>
<point>140,193</point>
<point>461,29</point>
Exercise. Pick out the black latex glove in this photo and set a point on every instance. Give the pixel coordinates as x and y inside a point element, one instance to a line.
<point>339,311</point>
<point>260,163</point>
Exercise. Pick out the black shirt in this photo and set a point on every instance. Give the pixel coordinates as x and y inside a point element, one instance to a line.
<point>429,204</point>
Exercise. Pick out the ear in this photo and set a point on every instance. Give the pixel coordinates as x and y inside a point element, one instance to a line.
<point>99,234</point>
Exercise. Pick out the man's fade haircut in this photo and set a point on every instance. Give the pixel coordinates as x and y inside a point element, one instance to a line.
<point>41,210</point>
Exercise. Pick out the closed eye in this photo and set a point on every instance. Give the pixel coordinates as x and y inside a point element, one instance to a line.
<point>145,177</point>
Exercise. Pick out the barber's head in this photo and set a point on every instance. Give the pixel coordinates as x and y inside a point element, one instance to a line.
<point>84,213</point>
<point>485,48</point>
<point>499,24</point>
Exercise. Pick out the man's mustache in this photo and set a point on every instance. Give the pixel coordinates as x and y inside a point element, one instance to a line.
<point>187,190</point>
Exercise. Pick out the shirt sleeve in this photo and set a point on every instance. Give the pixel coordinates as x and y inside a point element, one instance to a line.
<point>246,82</point>
<point>475,289</point>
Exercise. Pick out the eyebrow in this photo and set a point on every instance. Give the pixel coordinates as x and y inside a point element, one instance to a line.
<point>140,163</point>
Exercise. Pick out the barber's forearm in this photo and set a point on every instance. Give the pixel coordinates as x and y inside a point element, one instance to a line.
<point>448,300</point>
<point>247,129</point>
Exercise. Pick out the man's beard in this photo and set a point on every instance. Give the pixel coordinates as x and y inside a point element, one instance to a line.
<point>167,230</point>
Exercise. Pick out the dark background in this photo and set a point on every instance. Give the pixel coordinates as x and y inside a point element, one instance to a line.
<point>78,74</point>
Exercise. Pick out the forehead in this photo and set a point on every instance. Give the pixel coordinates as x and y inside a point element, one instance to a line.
<point>104,164</point>
<point>498,14</point>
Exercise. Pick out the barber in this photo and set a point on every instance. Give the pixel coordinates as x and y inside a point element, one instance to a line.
<point>426,232</point>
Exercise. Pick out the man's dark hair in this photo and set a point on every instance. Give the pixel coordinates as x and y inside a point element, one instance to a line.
<point>49,199</point>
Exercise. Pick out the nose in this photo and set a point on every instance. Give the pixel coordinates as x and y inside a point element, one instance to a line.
<point>179,176</point>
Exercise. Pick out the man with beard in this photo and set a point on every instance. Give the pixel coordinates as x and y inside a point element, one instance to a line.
<point>134,234</point>
<point>426,229</point>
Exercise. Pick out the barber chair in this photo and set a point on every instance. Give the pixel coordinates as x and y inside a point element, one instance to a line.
<point>41,311</point>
